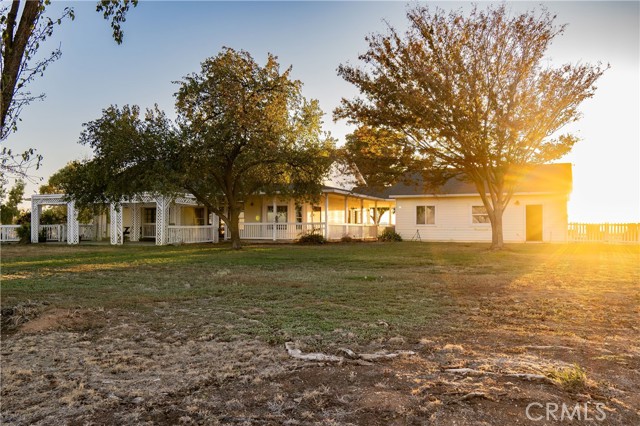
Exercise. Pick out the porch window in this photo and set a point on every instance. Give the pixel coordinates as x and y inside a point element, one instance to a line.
<point>280,217</point>
<point>425,215</point>
<point>298,217</point>
<point>199,212</point>
<point>479,214</point>
<point>316,215</point>
<point>149,215</point>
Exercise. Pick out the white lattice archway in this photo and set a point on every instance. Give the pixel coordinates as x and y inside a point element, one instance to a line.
<point>39,200</point>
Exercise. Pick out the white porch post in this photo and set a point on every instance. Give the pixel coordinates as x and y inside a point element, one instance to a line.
<point>136,219</point>
<point>73,227</point>
<point>36,209</point>
<point>275,213</point>
<point>162,220</point>
<point>326,216</point>
<point>115,211</point>
<point>215,224</point>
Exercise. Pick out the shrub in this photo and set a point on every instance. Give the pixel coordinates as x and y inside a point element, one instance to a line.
<point>389,234</point>
<point>312,238</point>
<point>24,233</point>
<point>572,379</point>
<point>346,239</point>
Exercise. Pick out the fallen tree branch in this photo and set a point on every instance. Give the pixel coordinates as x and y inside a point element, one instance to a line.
<point>349,354</point>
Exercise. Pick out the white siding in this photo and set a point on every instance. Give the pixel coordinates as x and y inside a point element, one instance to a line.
<point>454,223</point>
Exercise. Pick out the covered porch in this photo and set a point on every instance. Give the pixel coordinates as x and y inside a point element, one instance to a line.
<point>339,214</point>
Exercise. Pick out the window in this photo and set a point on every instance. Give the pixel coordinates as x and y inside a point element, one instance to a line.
<point>298,217</point>
<point>425,215</point>
<point>149,215</point>
<point>280,217</point>
<point>199,216</point>
<point>316,214</point>
<point>479,214</point>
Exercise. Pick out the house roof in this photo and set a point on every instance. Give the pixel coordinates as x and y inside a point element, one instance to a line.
<point>542,178</point>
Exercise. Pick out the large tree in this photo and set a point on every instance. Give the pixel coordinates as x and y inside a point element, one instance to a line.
<point>473,94</point>
<point>243,129</point>
<point>25,26</point>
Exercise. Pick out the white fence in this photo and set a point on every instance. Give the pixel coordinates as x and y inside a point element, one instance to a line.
<point>9,233</point>
<point>355,231</point>
<point>294,230</point>
<point>148,230</point>
<point>192,234</point>
<point>604,232</point>
<point>54,232</point>
<point>277,231</point>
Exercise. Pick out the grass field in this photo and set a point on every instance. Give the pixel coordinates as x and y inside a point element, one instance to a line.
<point>195,334</point>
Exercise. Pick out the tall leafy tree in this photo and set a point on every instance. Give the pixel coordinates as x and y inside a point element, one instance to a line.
<point>473,95</point>
<point>25,26</point>
<point>243,129</point>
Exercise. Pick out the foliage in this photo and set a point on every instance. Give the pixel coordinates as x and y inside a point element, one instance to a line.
<point>312,237</point>
<point>473,96</point>
<point>389,234</point>
<point>22,39</point>
<point>573,379</point>
<point>382,156</point>
<point>24,233</point>
<point>346,239</point>
<point>242,129</point>
<point>9,207</point>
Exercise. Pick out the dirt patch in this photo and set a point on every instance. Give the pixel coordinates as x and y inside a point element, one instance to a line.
<point>62,319</point>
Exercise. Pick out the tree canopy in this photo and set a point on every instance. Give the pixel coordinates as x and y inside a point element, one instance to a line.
<point>472,94</point>
<point>242,129</point>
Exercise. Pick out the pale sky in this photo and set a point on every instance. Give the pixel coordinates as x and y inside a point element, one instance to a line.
<point>165,40</point>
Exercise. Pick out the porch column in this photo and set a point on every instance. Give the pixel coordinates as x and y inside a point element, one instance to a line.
<point>326,216</point>
<point>275,212</point>
<point>215,224</point>
<point>36,209</point>
<point>162,220</point>
<point>136,220</point>
<point>115,212</point>
<point>73,227</point>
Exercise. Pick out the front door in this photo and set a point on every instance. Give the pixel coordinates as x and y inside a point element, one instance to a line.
<point>534,222</point>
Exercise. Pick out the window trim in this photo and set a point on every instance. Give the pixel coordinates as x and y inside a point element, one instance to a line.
<point>435,219</point>
<point>473,215</point>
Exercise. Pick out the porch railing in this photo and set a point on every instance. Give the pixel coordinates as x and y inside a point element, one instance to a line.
<point>278,231</point>
<point>9,233</point>
<point>192,234</point>
<point>54,232</point>
<point>604,232</point>
<point>357,231</point>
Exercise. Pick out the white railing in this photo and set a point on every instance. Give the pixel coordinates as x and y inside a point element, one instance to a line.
<point>356,231</point>
<point>9,233</point>
<point>192,234</point>
<point>54,232</point>
<point>277,231</point>
<point>604,232</point>
<point>87,232</point>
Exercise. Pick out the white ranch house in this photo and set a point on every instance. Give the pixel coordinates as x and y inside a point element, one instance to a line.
<point>338,214</point>
<point>453,212</point>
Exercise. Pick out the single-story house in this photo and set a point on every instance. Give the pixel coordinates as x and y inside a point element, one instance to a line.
<point>451,212</point>
<point>454,211</point>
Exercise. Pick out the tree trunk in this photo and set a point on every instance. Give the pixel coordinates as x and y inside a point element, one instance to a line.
<point>497,239</point>
<point>234,228</point>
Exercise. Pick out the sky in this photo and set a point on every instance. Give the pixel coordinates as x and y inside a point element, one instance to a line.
<point>166,40</point>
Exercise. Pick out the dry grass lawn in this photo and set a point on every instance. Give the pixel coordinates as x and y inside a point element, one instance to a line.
<point>195,334</point>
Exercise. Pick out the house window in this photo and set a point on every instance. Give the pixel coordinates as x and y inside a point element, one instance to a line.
<point>199,213</point>
<point>298,217</point>
<point>479,214</point>
<point>150,215</point>
<point>425,215</point>
<point>280,217</point>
